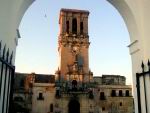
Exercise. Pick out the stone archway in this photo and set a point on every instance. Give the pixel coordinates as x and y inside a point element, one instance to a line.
<point>74,106</point>
<point>134,12</point>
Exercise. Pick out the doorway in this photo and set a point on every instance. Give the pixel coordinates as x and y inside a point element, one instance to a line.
<point>74,106</point>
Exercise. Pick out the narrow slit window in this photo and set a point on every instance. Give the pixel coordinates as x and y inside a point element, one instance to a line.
<point>67,26</point>
<point>120,103</point>
<point>120,93</point>
<point>113,93</point>
<point>74,26</point>
<point>102,96</point>
<point>81,27</point>
<point>127,93</point>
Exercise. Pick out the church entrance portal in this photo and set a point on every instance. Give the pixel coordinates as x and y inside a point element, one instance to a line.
<point>74,106</point>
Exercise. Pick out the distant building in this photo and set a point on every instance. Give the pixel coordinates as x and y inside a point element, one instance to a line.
<point>110,80</point>
<point>43,93</point>
<point>20,96</point>
<point>36,93</point>
<point>113,95</point>
<point>27,87</point>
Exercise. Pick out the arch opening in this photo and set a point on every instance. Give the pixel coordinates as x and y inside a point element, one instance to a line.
<point>132,29</point>
<point>74,106</point>
<point>74,26</point>
<point>74,30</point>
<point>69,26</point>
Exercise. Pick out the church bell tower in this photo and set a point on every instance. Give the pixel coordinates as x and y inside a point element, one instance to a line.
<point>73,46</point>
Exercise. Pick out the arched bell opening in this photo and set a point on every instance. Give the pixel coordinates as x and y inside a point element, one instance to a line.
<point>74,85</point>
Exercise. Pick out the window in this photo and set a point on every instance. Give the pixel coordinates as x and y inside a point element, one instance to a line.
<point>22,83</point>
<point>102,96</point>
<point>67,26</point>
<point>19,99</point>
<point>120,103</point>
<point>113,93</point>
<point>120,93</point>
<point>74,26</point>
<point>81,27</point>
<point>40,97</point>
<point>57,95</point>
<point>91,96</point>
<point>103,108</point>
<point>51,108</point>
<point>127,93</point>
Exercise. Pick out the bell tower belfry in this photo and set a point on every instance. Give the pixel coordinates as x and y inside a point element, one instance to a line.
<point>73,45</point>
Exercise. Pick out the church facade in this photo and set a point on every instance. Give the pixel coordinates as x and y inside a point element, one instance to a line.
<point>75,90</point>
<point>73,76</point>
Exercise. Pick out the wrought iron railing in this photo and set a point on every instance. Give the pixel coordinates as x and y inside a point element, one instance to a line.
<point>139,77</point>
<point>7,71</point>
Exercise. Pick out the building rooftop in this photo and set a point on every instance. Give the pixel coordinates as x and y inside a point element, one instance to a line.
<point>106,75</point>
<point>20,79</point>
<point>74,10</point>
<point>110,80</point>
<point>42,78</point>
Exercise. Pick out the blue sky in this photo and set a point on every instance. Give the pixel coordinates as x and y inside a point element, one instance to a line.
<point>108,53</point>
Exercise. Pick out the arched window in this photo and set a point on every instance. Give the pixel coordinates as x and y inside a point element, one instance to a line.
<point>102,96</point>
<point>74,83</point>
<point>74,26</point>
<point>120,103</point>
<point>113,93</point>
<point>81,27</point>
<point>22,83</point>
<point>127,93</point>
<point>67,26</point>
<point>40,97</point>
<point>51,107</point>
<point>120,93</point>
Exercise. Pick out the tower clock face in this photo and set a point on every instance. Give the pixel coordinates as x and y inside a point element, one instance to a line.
<point>75,49</point>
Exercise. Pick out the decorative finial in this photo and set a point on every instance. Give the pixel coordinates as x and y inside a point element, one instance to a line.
<point>142,65</point>
<point>4,50</point>
<point>11,56</point>
<point>7,54</point>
